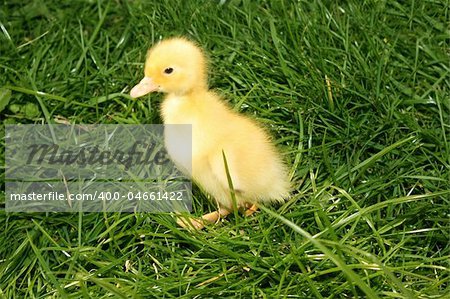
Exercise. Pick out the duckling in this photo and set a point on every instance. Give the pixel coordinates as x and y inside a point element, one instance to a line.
<point>178,68</point>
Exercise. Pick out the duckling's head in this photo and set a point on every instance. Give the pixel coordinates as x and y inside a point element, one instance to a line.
<point>175,66</point>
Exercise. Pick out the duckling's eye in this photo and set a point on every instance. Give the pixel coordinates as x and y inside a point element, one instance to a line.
<point>168,70</point>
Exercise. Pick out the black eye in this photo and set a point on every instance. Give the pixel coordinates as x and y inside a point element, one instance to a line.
<point>168,70</point>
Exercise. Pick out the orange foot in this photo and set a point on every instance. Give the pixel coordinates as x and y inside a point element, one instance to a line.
<point>250,209</point>
<point>213,217</point>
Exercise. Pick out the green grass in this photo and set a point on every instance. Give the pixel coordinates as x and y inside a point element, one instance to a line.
<point>356,93</point>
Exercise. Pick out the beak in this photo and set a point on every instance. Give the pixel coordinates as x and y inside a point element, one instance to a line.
<point>144,87</point>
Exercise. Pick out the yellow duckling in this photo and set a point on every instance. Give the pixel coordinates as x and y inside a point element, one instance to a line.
<point>177,67</point>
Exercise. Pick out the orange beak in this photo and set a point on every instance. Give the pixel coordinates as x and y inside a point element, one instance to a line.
<point>144,87</point>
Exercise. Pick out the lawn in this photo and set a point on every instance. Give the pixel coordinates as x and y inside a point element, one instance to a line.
<point>354,93</point>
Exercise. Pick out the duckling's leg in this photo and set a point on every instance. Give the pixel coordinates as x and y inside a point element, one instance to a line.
<point>199,224</point>
<point>250,209</point>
